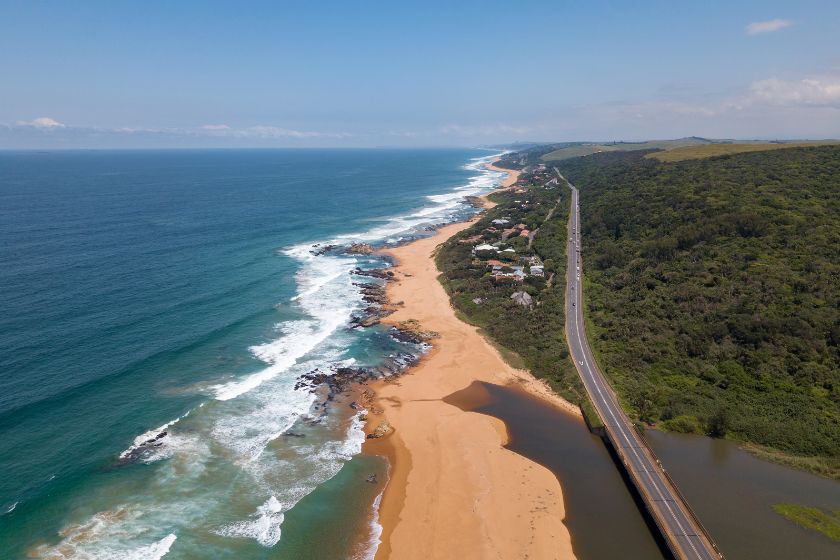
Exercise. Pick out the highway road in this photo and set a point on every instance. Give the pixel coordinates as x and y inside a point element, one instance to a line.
<point>681,529</point>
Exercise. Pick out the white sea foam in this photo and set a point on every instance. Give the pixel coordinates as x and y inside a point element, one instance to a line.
<point>149,435</point>
<point>320,463</point>
<point>444,207</point>
<point>264,527</point>
<point>239,432</point>
<point>154,551</point>
<point>375,537</point>
<point>101,538</point>
<point>327,296</point>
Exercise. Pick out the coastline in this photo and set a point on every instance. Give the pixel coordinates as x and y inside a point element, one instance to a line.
<point>454,490</point>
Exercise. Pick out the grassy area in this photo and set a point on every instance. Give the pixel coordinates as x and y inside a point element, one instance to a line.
<point>585,149</point>
<point>577,151</point>
<point>712,150</point>
<point>826,522</point>
<point>712,294</point>
<point>828,467</point>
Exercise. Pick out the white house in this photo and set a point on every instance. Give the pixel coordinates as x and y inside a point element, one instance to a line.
<point>484,247</point>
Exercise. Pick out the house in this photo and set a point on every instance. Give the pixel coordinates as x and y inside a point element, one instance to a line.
<point>500,221</point>
<point>484,247</point>
<point>508,254</point>
<point>523,298</point>
<point>508,277</point>
<point>537,270</point>
<point>524,233</point>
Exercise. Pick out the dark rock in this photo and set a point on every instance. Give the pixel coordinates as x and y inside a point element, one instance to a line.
<point>373,273</point>
<point>359,249</point>
<point>382,430</point>
<point>411,331</point>
<point>335,382</point>
<point>319,249</point>
<point>474,201</point>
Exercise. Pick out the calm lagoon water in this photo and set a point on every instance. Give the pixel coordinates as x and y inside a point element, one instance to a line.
<point>731,491</point>
<point>733,494</point>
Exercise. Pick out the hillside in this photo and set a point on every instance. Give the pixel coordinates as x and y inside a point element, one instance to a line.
<point>713,293</point>
<point>720,149</point>
<point>589,148</point>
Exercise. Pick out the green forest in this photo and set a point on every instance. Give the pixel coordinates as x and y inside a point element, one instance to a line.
<point>713,293</point>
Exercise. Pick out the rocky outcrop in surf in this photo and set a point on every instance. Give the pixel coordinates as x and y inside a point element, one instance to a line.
<point>412,332</point>
<point>374,294</point>
<point>142,449</point>
<point>335,381</point>
<point>359,249</point>
<point>380,273</point>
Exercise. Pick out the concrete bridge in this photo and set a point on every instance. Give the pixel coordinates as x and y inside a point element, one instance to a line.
<point>681,529</point>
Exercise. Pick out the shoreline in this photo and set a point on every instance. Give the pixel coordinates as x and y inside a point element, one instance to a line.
<point>447,463</point>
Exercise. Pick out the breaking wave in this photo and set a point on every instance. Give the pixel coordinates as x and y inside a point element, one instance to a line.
<point>258,432</point>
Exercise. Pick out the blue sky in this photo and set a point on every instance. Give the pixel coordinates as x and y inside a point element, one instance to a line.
<point>345,73</point>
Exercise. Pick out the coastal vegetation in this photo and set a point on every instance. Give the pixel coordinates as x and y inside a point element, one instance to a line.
<point>529,328</point>
<point>713,293</point>
<point>825,522</point>
<point>720,149</point>
<point>692,147</point>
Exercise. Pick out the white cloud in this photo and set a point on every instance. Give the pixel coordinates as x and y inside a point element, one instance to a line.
<point>482,130</point>
<point>263,131</point>
<point>820,91</point>
<point>799,107</point>
<point>42,122</point>
<point>767,26</point>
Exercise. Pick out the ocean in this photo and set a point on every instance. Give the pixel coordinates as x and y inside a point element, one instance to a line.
<point>157,311</point>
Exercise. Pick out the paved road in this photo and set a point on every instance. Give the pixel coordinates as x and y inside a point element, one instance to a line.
<point>684,535</point>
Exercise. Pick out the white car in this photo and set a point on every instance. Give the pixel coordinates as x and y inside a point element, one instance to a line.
<point>581,362</point>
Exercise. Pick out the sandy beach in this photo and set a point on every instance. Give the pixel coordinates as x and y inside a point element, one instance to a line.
<point>454,490</point>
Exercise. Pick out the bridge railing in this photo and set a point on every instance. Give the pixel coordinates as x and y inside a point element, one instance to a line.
<point>679,493</point>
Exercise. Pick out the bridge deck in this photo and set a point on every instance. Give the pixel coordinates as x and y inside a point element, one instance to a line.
<point>680,527</point>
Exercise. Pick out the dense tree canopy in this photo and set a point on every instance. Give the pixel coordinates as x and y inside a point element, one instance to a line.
<point>713,291</point>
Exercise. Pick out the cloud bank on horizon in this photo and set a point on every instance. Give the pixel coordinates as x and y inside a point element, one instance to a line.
<point>814,98</point>
<point>416,74</point>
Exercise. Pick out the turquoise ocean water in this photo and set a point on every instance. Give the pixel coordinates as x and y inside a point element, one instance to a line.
<point>175,296</point>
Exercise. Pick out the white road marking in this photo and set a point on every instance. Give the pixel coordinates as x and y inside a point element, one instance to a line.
<point>597,381</point>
